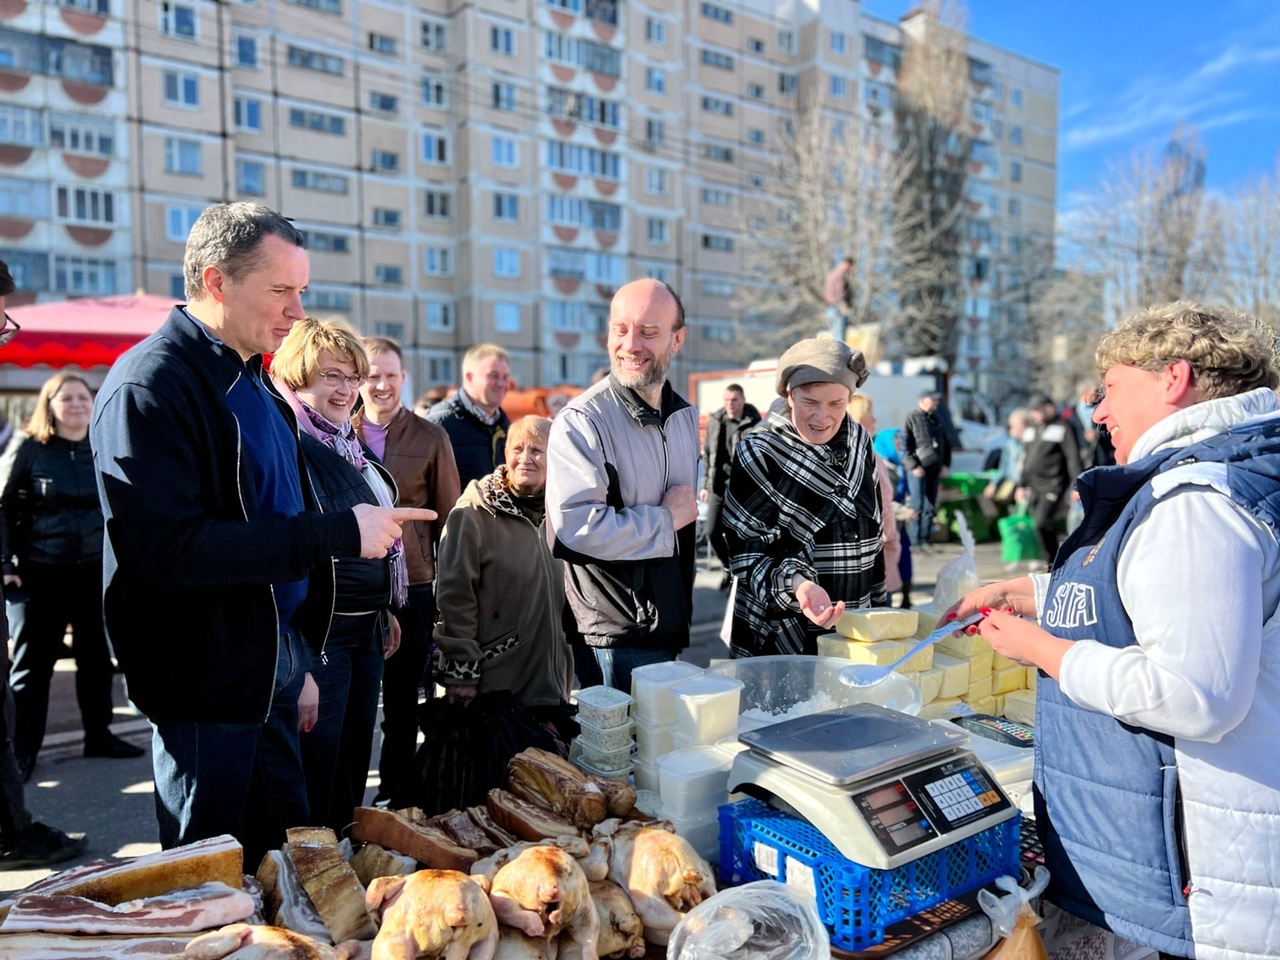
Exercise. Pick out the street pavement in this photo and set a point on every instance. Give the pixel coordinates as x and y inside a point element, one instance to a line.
<point>112,801</point>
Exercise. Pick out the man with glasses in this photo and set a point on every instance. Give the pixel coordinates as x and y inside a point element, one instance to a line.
<point>473,417</point>
<point>24,842</point>
<point>419,457</point>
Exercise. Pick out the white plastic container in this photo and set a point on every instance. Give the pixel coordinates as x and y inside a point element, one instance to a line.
<point>585,766</point>
<point>703,835</point>
<point>693,783</point>
<point>648,804</point>
<point>730,746</point>
<point>646,775</point>
<point>608,761</point>
<point>681,741</point>
<point>651,689</point>
<point>652,740</point>
<point>606,738</point>
<point>603,707</point>
<point>706,707</point>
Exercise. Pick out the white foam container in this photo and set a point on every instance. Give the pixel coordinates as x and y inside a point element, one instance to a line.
<point>603,707</point>
<point>646,775</point>
<point>703,835</point>
<point>606,761</point>
<point>606,738</point>
<point>706,707</point>
<point>651,689</point>
<point>652,740</point>
<point>693,783</point>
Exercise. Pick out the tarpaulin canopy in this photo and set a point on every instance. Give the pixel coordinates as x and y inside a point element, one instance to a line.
<point>83,333</point>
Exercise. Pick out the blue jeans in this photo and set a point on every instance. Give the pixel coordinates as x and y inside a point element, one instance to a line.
<point>244,779</point>
<point>401,684</point>
<point>335,753</point>
<point>922,497</point>
<point>837,323</point>
<point>616,663</point>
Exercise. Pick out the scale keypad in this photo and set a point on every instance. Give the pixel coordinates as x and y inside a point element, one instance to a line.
<point>961,794</point>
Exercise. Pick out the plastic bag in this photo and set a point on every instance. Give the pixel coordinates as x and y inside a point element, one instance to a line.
<point>1019,540</point>
<point>1015,921</point>
<point>765,920</point>
<point>958,576</point>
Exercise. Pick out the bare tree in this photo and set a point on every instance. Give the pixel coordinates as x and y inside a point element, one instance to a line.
<point>1068,317</point>
<point>1251,227</point>
<point>1023,332</point>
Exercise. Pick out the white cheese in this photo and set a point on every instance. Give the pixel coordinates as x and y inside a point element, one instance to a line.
<point>878,623</point>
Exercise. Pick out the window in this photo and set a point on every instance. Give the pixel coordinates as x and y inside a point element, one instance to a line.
<point>1015,171</point>
<point>657,231</point>
<point>886,54</point>
<point>100,7</point>
<point>573,6</point>
<point>389,328</point>
<point>439,367</point>
<point>30,270</point>
<point>506,317</point>
<point>595,57</point>
<point>755,91</point>
<point>84,275</point>
<point>755,136</point>
<point>251,178</point>
<point>755,45</point>
<point>177,286</point>
<point>246,51</point>
<point>604,268</point>
<point>328,6</point>
<point>502,40</point>
<point>381,43</point>
<point>575,316</point>
<point>839,43</point>
<point>1015,97</point>
<point>315,299</point>
<point>317,120</point>
<point>721,61</point>
<point>716,198</point>
<point>325,242</point>
<point>435,147</point>
<point>383,102</point>
<point>437,262</point>
<point>311,60</point>
<point>655,133</point>
<point>314,180</point>
<point>718,332</point>
<point>839,87</point>
<point>434,36</point>
<point>787,84</point>
<point>504,96</point>
<point>655,80</point>
<point>23,126</point>
<point>714,241</point>
<point>437,205</point>
<point>979,230</point>
<point>723,108</point>
<point>385,161</point>
<point>980,111</point>
<point>655,182</point>
<point>506,262</point>
<point>248,114</point>
<point>23,198</point>
<point>502,151</point>
<point>386,217</point>
<point>713,151</point>
<point>435,92</point>
<point>80,134</point>
<point>178,222</point>
<point>997,129</point>
<point>720,14</point>
<point>182,156</point>
<point>1015,207</point>
<point>1015,135</point>
<point>506,206</point>
<point>655,31</point>
<point>983,152</point>
<point>981,73</point>
<point>388,275</point>
<point>588,161</point>
<point>181,89</point>
<point>82,205</point>
<point>439,316</point>
<point>717,288</point>
<point>571,105</point>
<point>177,20</point>
<point>755,181</point>
<point>787,41</point>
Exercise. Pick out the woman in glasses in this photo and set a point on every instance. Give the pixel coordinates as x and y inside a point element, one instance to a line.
<point>319,369</point>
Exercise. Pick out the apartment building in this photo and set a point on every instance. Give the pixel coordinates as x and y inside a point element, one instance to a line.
<point>464,172</point>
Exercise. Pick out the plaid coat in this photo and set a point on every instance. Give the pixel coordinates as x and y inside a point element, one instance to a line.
<point>796,507</point>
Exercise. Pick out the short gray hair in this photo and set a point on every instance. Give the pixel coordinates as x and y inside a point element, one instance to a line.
<point>228,236</point>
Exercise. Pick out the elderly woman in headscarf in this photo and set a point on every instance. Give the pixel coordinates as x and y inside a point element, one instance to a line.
<point>802,511</point>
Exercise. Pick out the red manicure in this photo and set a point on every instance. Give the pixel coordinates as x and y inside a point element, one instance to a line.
<point>985,611</point>
<point>950,616</point>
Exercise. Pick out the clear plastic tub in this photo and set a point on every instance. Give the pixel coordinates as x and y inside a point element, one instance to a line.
<point>646,775</point>
<point>610,761</point>
<point>693,783</point>
<point>782,688</point>
<point>651,689</point>
<point>680,741</point>
<point>703,835</point>
<point>624,774</point>
<point>652,740</point>
<point>606,738</point>
<point>648,804</point>
<point>603,707</point>
<point>706,707</point>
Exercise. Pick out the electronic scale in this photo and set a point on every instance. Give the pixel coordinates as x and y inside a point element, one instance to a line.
<point>884,787</point>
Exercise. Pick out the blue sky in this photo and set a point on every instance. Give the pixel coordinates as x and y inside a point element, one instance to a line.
<point>1132,69</point>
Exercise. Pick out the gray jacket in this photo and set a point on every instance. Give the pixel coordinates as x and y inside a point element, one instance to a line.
<point>611,458</point>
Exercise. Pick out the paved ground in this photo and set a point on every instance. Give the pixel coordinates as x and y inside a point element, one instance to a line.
<point>112,800</point>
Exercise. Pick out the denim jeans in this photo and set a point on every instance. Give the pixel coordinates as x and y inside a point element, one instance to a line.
<point>616,663</point>
<point>244,779</point>
<point>336,751</point>
<point>922,497</point>
<point>401,682</point>
<point>14,817</point>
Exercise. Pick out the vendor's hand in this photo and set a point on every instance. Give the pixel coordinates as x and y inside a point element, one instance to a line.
<point>989,491</point>
<point>391,642</point>
<point>460,692</point>
<point>1018,595</point>
<point>1020,495</point>
<point>702,495</point>
<point>815,603</point>
<point>917,471</point>
<point>308,704</point>
<point>1024,641</point>
<point>12,580</point>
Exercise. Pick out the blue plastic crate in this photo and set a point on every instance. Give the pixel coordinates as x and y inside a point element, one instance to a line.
<point>856,903</point>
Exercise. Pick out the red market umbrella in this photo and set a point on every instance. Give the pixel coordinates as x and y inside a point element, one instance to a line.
<point>84,333</point>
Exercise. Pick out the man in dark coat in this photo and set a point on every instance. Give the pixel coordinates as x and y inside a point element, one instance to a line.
<point>927,455</point>
<point>724,428</point>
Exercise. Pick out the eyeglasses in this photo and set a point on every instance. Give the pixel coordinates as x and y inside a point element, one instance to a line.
<point>334,379</point>
<point>9,330</point>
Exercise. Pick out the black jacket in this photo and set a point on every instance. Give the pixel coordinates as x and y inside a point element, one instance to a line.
<point>1051,462</point>
<point>188,601</point>
<point>50,503</point>
<point>925,441</point>
<point>478,447</point>
<point>718,450</point>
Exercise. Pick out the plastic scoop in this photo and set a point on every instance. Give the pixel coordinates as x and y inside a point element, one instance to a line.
<point>868,675</point>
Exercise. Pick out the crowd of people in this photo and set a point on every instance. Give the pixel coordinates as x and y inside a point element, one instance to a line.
<point>324,548</point>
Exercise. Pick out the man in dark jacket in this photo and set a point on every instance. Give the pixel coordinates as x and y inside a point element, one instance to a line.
<point>213,542</point>
<point>927,455</point>
<point>473,416</point>
<point>724,428</point>
<point>1050,466</point>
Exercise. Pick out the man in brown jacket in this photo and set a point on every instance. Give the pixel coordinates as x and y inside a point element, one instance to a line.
<point>420,458</point>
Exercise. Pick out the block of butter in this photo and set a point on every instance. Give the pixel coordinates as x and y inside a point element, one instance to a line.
<point>1021,706</point>
<point>978,690</point>
<point>955,675</point>
<point>922,659</point>
<point>878,623</point>
<point>1033,674</point>
<point>998,709</point>
<point>930,684</point>
<point>966,646</point>
<point>911,675</point>
<point>1001,662</point>
<point>879,653</point>
<point>939,708</point>
<point>927,620</point>
<point>986,705</point>
<point>1009,679</point>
